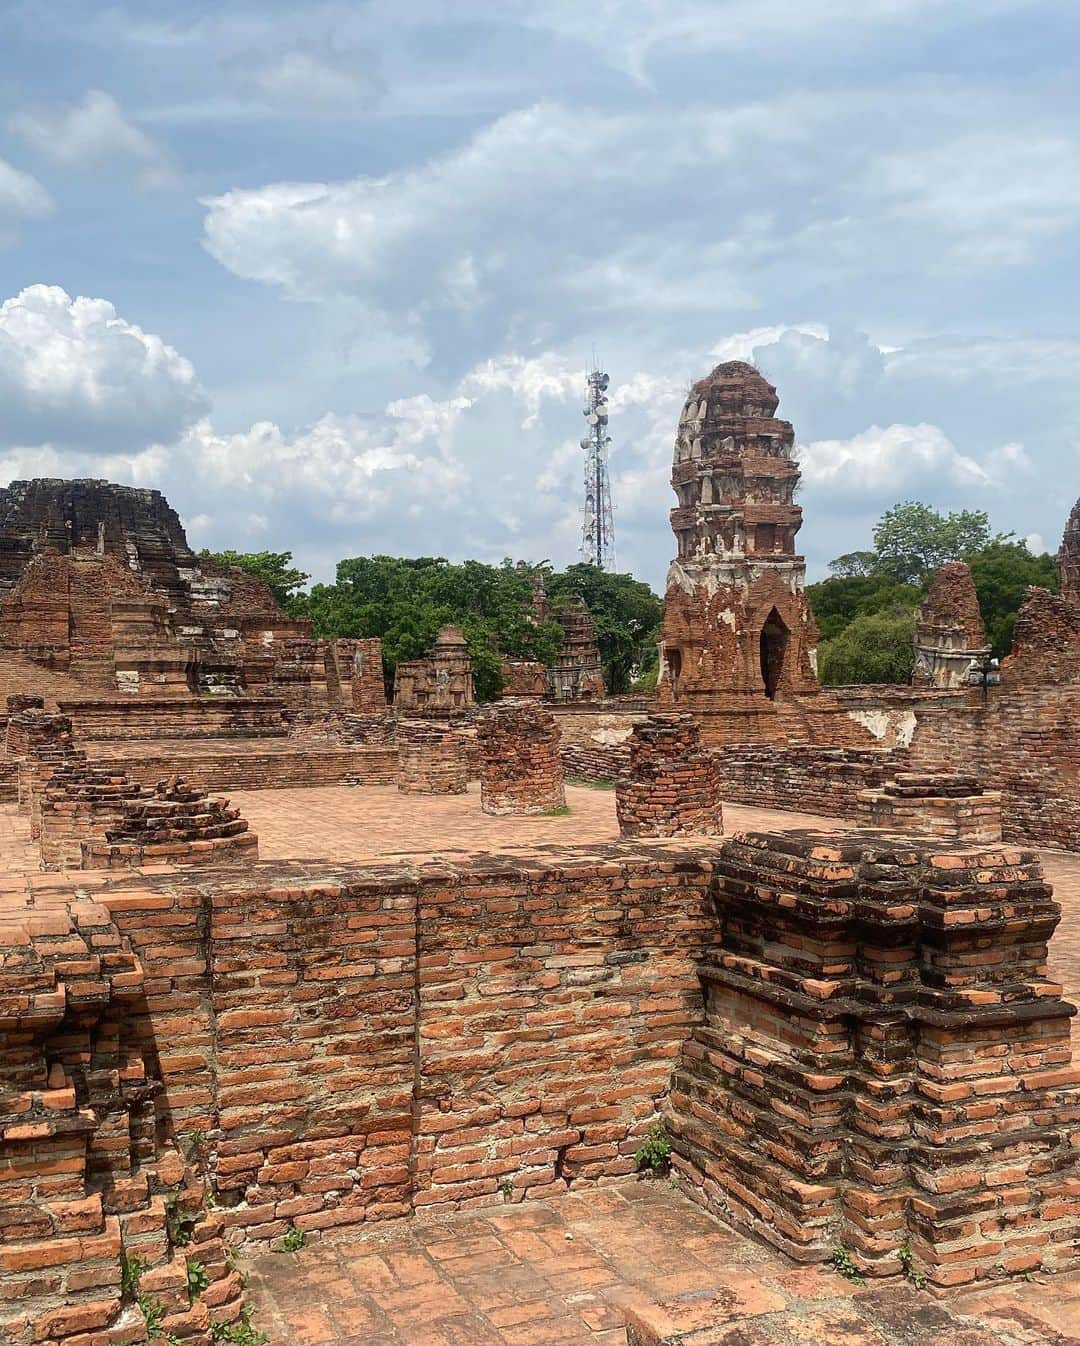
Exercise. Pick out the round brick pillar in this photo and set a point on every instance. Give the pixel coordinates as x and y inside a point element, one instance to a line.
<point>431,759</point>
<point>520,771</point>
<point>673,786</point>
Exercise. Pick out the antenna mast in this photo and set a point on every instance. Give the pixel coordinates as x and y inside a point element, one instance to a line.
<point>597,524</point>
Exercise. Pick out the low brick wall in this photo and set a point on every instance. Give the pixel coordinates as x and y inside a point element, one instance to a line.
<point>915,804</point>
<point>595,763</point>
<point>175,717</point>
<point>272,768</point>
<point>806,779</point>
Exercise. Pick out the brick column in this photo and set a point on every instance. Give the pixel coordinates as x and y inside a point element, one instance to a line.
<point>521,772</point>
<point>431,760</point>
<point>673,785</point>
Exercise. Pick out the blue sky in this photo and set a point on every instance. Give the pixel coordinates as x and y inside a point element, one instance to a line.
<point>330,276</point>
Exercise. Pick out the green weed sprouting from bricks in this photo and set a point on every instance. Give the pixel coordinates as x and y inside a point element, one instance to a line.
<point>560,811</point>
<point>293,1240</point>
<point>178,1225</point>
<point>654,1152</point>
<point>197,1280</point>
<point>841,1261</point>
<point>153,1311</point>
<point>506,1188</point>
<point>239,1333</point>
<point>911,1271</point>
<point>131,1268</point>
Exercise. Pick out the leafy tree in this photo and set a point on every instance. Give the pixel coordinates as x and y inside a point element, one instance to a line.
<point>856,564</point>
<point>876,647</point>
<point>1002,571</point>
<point>275,567</point>
<point>912,539</point>
<point>839,601</point>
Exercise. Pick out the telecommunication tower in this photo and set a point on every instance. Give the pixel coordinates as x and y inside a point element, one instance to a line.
<point>597,523</point>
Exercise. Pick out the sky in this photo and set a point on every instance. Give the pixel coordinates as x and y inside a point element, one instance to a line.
<point>330,275</point>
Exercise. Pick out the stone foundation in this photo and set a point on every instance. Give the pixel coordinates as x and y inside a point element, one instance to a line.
<point>673,786</point>
<point>520,768</point>
<point>953,807</point>
<point>178,825</point>
<point>882,1061</point>
<point>431,759</point>
<point>175,718</point>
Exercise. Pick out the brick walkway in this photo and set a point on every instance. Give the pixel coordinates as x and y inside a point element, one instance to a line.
<point>566,1271</point>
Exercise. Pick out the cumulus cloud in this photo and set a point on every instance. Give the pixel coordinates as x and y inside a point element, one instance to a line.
<point>22,198</point>
<point>74,374</point>
<point>885,460</point>
<point>91,133</point>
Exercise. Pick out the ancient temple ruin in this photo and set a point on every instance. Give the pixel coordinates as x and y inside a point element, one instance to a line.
<point>949,631</point>
<point>576,674</point>
<point>441,686</point>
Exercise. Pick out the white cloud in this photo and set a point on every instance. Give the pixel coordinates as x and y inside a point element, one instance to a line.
<point>22,198</point>
<point>310,74</point>
<point>73,373</point>
<point>887,460</point>
<point>91,133</point>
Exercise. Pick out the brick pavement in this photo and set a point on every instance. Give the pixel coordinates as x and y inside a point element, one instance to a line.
<point>565,1272</point>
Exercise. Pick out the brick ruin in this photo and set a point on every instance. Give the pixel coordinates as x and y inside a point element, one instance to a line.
<point>672,786</point>
<point>882,1060</point>
<point>851,1037</point>
<point>576,674</point>
<point>949,631</point>
<point>441,686</point>
<point>521,771</point>
<point>739,642</point>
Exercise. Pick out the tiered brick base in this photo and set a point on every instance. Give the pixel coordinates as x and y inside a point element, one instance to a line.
<point>177,825</point>
<point>85,1182</point>
<point>933,804</point>
<point>431,759</point>
<point>673,786</point>
<point>520,768</point>
<point>882,1060</point>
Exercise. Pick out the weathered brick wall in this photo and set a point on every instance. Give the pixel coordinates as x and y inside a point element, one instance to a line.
<point>361,1043</point>
<point>85,1178</point>
<point>807,779</point>
<point>1026,744</point>
<point>228,768</point>
<point>181,717</point>
<point>941,804</point>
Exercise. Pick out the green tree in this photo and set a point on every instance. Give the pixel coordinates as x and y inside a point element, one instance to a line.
<point>912,539</point>
<point>275,567</point>
<point>1002,572</point>
<point>839,601</point>
<point>877,647</point>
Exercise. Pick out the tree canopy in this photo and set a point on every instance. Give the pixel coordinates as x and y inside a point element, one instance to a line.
<point>865,610</point>
<point>404,601</point>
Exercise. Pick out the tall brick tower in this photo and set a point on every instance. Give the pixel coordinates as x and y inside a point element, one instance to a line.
<point>738,635</point>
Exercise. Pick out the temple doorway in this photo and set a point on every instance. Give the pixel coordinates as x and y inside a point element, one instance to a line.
<point>673,659</point>
<point>774,640</point>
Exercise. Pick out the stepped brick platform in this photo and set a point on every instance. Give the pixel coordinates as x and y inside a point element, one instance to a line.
<point>673,786</point>
<point>942,804</point>
<point>177,824</point>
<point>883,1062</point>
<point>520,768</point>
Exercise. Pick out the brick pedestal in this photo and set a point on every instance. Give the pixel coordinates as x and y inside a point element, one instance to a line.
<point>431,759</point>
<point>883,1060</point>
<point>673,786</point>
<point>521,772</point>
<point>933,804</point>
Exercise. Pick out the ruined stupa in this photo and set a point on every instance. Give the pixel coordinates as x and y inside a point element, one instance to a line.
<point>738,633</point>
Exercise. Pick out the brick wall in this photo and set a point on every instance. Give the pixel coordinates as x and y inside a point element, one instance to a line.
<point>400,1036</point>
<point>806,779</point>
<point>1026,744</point>
<point>180,717</point>
<point>228,768</point>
